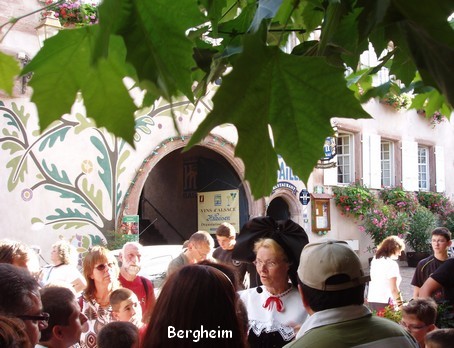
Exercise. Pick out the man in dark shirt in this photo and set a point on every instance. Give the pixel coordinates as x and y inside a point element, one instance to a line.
<point>441,279</point>
<point>226,237</point>
<point>441,241</point>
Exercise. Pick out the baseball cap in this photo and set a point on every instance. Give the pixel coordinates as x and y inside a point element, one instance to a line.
<point>322,260</point>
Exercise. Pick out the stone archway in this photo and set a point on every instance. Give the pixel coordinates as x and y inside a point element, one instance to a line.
<point>213,143</point>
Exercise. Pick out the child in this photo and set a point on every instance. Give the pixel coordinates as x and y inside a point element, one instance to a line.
<point>419,317</point>
<point>226,237</point>
<point>441,338</point>
<point>126,307</point>
<point>118,334</point>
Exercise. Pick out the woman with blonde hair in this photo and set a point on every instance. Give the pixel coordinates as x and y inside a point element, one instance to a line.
<point>101,272</point>
<point>385,275</point>
<point>63,269</point>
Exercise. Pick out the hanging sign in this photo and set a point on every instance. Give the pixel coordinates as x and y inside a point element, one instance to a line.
<point>216,207</point>
<point>305,197</point>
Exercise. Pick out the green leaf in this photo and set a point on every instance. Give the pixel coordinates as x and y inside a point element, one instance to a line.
<point>157,44</point>
<point>63,67</point>
<point>297,96</point>
<point>53,137</point>
<point>18,167</point>
<point>9,68</point>
<point>68,194</point>
<point>54,174</point>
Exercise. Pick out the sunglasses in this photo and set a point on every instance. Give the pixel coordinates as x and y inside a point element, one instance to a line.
<point>103,266</point>
<point>42,317</point>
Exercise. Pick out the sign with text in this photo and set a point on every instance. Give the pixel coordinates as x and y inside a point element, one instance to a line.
<point>216,207</point>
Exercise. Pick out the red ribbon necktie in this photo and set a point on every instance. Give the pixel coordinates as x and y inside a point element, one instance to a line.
<point>269,303</point>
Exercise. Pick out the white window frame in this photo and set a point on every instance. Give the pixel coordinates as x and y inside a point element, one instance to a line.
<point>423,168</point>
<point>347,158</point>
<point>389,173</point>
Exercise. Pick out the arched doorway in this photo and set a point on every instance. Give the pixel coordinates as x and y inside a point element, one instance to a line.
<point>278,209</point>
<point>168,201</point>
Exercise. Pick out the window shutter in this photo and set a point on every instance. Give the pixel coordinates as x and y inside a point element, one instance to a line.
<point>330,176</point>
<point>371,160</point>
<point>410,166</point>
<point>440,169</point>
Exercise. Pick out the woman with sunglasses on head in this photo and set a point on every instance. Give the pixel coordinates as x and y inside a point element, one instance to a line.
<point>275,311</point>
<point>101,273</point>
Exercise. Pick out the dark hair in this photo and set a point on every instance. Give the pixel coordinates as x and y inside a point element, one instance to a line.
<point>13,334</point>
<point>199,298</point>
<point>118,334</point>
<point>225,230</point>
<point>389,246</point>
<point>442,337</point>
<point>16,289</point>
<point>442,231</point>
<point>59,303</point>
<point>12,251</point>
<point>320,300</point>
<point>425,309</point>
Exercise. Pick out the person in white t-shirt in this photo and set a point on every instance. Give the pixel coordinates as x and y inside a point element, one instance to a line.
<point>385,274</point>
<point>63,269</point>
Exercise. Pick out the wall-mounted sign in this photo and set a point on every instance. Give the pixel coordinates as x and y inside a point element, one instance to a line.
<point>130,228</point>
<point>285,173</point>
<point>329,149</point>
<point>216,207</point>
<point>305,197</point>
<point>284,185</point>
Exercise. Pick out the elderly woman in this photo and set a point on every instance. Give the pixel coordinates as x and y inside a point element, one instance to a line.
<point>63,269</point>
<point>101,273</point>
<point>385,274</point>
<point>275,310</point>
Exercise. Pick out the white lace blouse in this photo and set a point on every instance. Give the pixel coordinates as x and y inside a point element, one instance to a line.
<point>269,319</point>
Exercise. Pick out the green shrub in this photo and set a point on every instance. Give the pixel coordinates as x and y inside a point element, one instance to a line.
<point>422,222</point>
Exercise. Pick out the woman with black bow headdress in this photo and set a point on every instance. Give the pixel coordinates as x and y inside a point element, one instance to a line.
<point>275,310</point>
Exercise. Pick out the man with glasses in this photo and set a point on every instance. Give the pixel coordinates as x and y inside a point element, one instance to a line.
<point>441,241</point>
<point>418,318</point>
<point>199,248</point>
<point>20,298</point>
<point>66,320</point>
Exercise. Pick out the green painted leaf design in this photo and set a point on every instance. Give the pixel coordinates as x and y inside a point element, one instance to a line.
<point>143,124</point>
<point>106,173</point>
<point>67,194</point>
<point>120,167</point>
<point>20,112</point>
<point>53,172</point>
<point>18,172</point>
<point>51,139</point>
<point>69,214</point>
<point>89,190</point>
<point>69,224</point>
<point>84,123</point>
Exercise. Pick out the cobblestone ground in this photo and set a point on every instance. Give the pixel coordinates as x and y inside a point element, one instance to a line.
<point>407,274</point>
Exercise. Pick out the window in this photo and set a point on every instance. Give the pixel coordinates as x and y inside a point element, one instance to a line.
<point>387,163</point>
<point>423,168</point>
<point>344,159</point>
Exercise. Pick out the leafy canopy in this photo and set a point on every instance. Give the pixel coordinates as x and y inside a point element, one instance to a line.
<point>168,47</point>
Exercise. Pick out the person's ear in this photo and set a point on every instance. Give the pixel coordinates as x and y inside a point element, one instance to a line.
<point>115,315</point>
<point>57,332</point>
<point>305,304</point>
<point>431,327</point>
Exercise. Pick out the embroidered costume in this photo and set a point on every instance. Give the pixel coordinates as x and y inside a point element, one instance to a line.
<point>273,320</point>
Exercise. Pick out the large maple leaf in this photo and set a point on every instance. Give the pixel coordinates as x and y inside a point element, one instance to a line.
<point>296,96</point>
<point>63,67</point>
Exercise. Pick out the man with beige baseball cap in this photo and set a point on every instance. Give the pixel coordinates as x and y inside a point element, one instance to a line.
<point>331,284</point>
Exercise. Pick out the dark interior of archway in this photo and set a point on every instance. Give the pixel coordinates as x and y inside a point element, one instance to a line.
<point>168,203</point>
<point>278,209</point>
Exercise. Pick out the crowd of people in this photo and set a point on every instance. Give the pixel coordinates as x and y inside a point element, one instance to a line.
<point>266,287</point>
